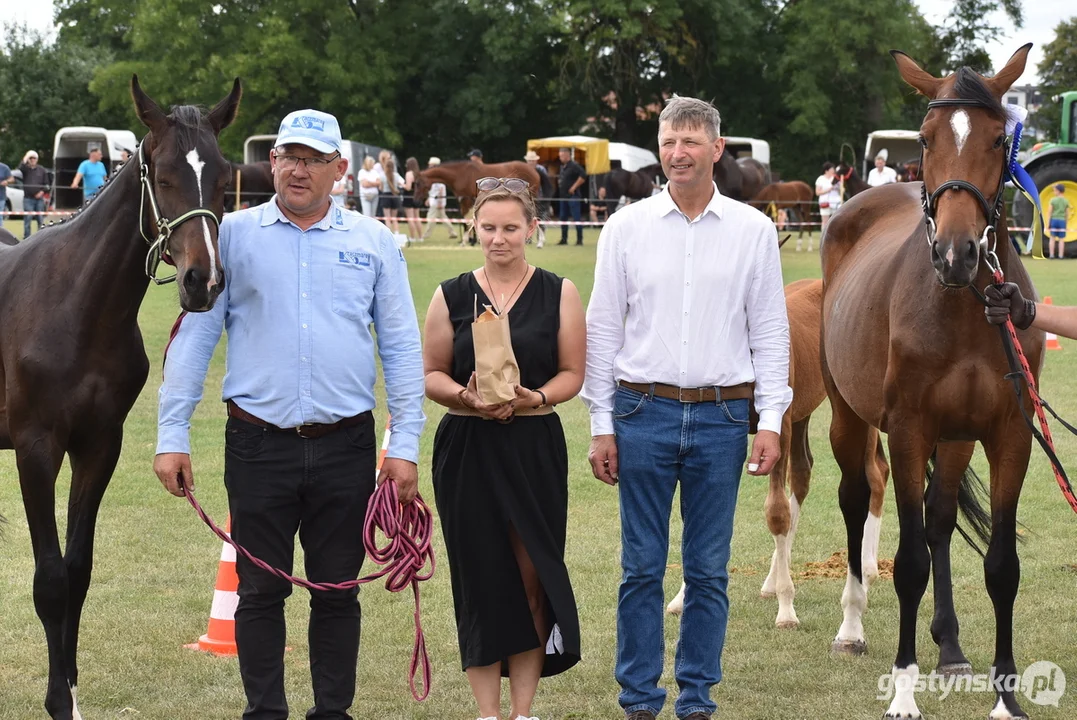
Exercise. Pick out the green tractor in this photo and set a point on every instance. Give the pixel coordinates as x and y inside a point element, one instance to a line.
<point>1050,164</point>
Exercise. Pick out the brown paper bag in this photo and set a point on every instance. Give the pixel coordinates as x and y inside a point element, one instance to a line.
<point>496,371</point>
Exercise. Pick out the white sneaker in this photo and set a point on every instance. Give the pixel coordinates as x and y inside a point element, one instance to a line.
<point>521,717</point>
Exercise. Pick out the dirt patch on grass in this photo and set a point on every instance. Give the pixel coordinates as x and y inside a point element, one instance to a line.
<point>834,568</point>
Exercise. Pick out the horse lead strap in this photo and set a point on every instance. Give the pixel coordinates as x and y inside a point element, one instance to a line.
<point>410,530</point>
<point>1020,369</point>
<point>159,246</point>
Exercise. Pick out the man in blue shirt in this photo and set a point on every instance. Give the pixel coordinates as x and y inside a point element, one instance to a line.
<point>92,173</point>
<point>305,281</point>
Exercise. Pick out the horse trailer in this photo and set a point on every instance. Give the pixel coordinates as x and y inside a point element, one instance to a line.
<point>71,146</point>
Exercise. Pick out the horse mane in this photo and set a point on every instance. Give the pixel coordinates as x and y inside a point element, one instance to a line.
<point>968,85</point>
<point>187,120</point>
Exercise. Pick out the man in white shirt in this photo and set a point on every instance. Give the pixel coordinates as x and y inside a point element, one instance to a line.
<point>687,312</point>
<point>881,174</point>
<point>435,204</point>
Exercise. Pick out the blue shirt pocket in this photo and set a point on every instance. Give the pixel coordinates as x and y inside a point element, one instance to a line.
<point>353,292</point>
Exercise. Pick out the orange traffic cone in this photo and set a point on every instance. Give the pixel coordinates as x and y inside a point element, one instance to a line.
<point>1052,339</point>
<point>220,638</point>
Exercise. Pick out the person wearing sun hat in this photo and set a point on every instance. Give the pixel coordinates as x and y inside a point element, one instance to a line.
<point>307,281</point>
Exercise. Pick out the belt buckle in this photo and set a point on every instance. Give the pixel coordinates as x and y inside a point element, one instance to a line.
<point>299,430</point>
<point>698,395</point>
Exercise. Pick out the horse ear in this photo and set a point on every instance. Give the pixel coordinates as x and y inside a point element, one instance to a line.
<point>926,83</point>
<point>1008,75</point>
<point>222,115</point>
<point>148,111</point>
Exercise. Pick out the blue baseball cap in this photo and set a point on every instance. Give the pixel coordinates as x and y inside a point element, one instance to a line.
<point>313,128</point>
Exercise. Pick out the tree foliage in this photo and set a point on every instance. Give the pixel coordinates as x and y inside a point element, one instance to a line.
<point>441,76</point>
<point>42,88</point>
<point>969,29</point>
<point>1058,74</point>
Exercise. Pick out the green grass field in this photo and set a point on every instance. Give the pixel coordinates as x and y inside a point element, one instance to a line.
<point>156,564</point>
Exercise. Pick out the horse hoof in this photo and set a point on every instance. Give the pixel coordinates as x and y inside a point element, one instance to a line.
<point>767,594</point>
<point>954,669</point>
<point>787,624</point>
<point>674,608</point>
<point>853,648</point>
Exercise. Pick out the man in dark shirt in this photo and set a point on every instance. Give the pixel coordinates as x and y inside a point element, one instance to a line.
<point>35,185</point>
<point>570,183</point>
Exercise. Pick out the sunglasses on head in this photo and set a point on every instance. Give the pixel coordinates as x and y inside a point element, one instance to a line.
<point>512,184</point>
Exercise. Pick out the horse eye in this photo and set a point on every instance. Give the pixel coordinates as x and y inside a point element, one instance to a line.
<point>998,143</point>
<point>923,141</point>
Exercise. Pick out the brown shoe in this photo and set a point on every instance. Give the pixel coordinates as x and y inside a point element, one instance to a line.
<point>640,715</point>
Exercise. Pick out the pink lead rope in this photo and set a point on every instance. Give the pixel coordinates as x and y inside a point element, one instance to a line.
<point>409,529</point>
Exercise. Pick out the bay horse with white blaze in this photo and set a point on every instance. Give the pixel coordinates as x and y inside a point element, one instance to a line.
<point>906,351</point>
<point>71,354</point>
<point>804,306</point>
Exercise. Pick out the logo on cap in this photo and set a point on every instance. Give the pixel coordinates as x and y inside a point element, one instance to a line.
<point>310,123</point>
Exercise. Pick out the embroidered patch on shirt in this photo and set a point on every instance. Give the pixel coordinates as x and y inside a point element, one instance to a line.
<point>401,253</point>
<point>354,258</point>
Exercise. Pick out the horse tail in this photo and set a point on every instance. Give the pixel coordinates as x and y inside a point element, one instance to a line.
<point>973,500</point>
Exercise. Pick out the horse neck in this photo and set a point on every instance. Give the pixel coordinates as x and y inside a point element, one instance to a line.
<point>108,251</point>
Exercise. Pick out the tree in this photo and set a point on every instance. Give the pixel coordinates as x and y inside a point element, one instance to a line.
<point>1058,74</point>
<point>838,81</point>
<point>969,29</point>
<point>43,88</point>
<point>289,54</point>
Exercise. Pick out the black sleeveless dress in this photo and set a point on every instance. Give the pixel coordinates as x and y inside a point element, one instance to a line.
<point>491,477</point>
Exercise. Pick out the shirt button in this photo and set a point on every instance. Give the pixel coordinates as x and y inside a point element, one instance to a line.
<point>304,264</point>
<point>304,294</point>
<point>303,359</point>
<point>305,325</point>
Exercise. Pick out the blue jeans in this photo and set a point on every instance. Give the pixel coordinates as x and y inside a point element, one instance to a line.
<point>571,206</point>
<point>704,445</point>
<point>32,205</point>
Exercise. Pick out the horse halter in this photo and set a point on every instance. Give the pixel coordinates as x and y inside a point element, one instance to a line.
<point>158,251</point>
<point>992,213</point>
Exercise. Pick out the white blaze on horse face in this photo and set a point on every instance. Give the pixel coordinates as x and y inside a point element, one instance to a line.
<point>197,165</point>
<point>962,126</point>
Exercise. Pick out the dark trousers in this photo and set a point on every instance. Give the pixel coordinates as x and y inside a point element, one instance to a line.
<point>278,484</point>
<point>571,205</point>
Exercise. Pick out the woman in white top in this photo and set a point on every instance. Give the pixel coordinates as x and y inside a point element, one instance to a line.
<point>411,210</point>
<point>392,192</point>
<point>369,187</point>
<point>828,189</point>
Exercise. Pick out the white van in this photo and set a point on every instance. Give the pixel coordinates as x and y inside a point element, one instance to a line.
<point>742,147</point>
<point>71,146</point>
<point>902,146</point>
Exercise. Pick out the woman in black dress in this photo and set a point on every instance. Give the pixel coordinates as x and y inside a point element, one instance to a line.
<point>501,471</point>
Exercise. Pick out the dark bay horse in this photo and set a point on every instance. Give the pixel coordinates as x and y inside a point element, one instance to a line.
<point>460,178</point>
<point>634,184</point>
<point>804,305</point>
<point>851,180</point>
<point>906,351</point>
<point>71,353</point>
<point>255,184</point>
<point>740,179</point>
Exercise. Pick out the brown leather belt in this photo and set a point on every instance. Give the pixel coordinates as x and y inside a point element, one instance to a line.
<point>744,391</point>
<point>310,431</point>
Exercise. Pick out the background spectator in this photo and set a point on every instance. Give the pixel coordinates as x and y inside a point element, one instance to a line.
<point>35,185</point>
